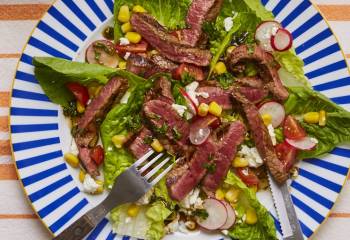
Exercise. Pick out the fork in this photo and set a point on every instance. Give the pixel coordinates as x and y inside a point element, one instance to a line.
<point>128,187</point>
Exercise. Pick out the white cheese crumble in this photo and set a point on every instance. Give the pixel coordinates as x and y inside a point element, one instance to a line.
<point>314,140</point>
<point>145,198</point>
<point>191,91</point>
<point>123,41</point>
<point>182,227</point>
<point>127,55</point>
<point>252,155</point>
<point>192,199</point>
<point>272,134</point>
<point>173,226</point>
<point>125,98</point>
<point>180,109</point>
<point>74,148</point>
<point>225,232</point>
<point>228,23</point>
<point>89,184</point>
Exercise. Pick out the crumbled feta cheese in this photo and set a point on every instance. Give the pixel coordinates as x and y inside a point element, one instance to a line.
<point>192,199</point>
<point>89,184</point>
<point>182,227</point>
<point>225,232</point>
<point>191,91</point>
<point>127,55</point>
<point>145,198</point>
<point>272,134</point>
<point>123,41</point>
<point>74,148</point>
<point>252,155</point>
<point>173,226</point>
<point>228,23</point>
<point>180,109</point>
<point>314,140</point>
<point>125,97</point>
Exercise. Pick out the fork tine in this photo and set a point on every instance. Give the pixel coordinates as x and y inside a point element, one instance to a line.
<point>147,165</point>
<point>143,158</point>
<point>156,169</point>
<point>160,176</point>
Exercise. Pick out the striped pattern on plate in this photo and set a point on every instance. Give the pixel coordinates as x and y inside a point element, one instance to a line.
<point>37,139</point>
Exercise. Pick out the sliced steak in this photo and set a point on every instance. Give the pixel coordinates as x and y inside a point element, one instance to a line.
<point>261,138</point>
<point>167,44</point>
<point>253,82</point>
<point>214,11</point>
<point>163,63</point>
<point>217,94</point>
<point>87,137</point>
<point>226,151</point>
<point>166,121</point>
<point>138,64</point>
<point>268,67</point>
<point>163,85</point>
<point>138,146</point>
<point>186,176</point>
<point>85,158</point>
<point>254,95</point>
<point>100,104</point>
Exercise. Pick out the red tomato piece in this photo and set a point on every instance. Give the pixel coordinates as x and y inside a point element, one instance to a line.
<point>132,48</point>
<point>247,176</point>
<point>286,154</point>
<point>80,92</point>
<point>97,154</point>
<point>194,71</point>
<point>292,128</point>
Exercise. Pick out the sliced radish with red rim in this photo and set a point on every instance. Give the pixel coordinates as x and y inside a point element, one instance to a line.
<point>199,135</point>
<point>306,143</point>
<point>282,40</point>
<point>190,103</point>
<point>275,110</point>
<point>231,216</point>
<point>217,214</point>
<point>264,32</point>
<point>102,52</point>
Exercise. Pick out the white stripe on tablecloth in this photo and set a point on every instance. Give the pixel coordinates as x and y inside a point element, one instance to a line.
<point>8,69</point>
<point>20,229</point>
<point>10,189</point>
<point>6,159</point>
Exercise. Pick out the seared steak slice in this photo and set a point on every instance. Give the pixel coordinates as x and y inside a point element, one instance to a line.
<point>254,95</point>
<point>167,44</point>
<point>89,164</point>
<point>163,85</point>
<point>226,151</point>
<point>138,64</point>
<point>98,106</point>
<point>182,179</point>
<point>86,138</point>
<point>166,122</point>
<point>261,138</point>
<point>214,11</point>
<point>217,94</point>
<point>138,146</point>
<point>163,63</point>
<point>253,82</point>
<point>268,67</point>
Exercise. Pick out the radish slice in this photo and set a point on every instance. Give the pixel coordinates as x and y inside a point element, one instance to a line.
<point>231,216</point>
<point>217,214</point>
<point>264,32</point>
<point>306,143</point>
<point>190,102</point>
<point>199,135</point>
<point>282,40</point>
<point>102,52</point>
<point>275,110</point>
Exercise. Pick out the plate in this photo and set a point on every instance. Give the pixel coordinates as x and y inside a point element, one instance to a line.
<point>40,134</point>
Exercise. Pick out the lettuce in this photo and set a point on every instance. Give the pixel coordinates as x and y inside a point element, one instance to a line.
<point>337,130</point>
<point>264,228</point>
<point>169,13</point>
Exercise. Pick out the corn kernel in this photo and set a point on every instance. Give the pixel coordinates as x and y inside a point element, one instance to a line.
<point>230,49</point>
<point>232,195</point>
<point>133,210</point>
<point>124,14</point>
<point>157,146</point>
<point>126,27</point>
<point>81,175</point>
<point>267,119</point>
<point>80,107</point>
<point>122,65</point>
<point>220,68</point>
<point>311,117</point>
<point>323,119</point>
<point>99,190</point>
<point>203,109</point>
<point>119,140</point>
<point>215,109</point>
<point>251,217</point>
<point>240,162</point>
<point>71,159</point>
<point>138,9</point>
<point>133,37</point>
<point>219,194</point>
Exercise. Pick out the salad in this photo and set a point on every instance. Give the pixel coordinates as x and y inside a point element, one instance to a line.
<point>214,83</point>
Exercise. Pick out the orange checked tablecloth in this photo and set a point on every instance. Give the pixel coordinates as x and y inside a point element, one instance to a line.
<point>17,19</point>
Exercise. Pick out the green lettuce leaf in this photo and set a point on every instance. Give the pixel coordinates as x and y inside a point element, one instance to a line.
<point>169,13</point>
<point>337,130</point>
<point>264,228</point>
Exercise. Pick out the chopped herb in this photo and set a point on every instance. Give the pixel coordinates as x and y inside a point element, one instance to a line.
<point>74,131</point>
<point>251,69</point>
<point>162,130</point>
<point>97,56</point>
<point>211,167</point>
<point>279,134</point>
<point>201,213</point>
<point>177,134</point>
<point>154,116</point>
<point>211,157</point>
<point>133,123</point>
<point>108,33</point>
<point>187,78</point>
<point>225,80</point>
<point>251,49</point>
<point>71,109</point>
<point>148,140</point>
<point>109,50</point>
<point>240,38</point>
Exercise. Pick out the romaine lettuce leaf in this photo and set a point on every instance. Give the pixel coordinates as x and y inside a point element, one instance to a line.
<point>264,228</point>
<point>337,130</point>
<point>169,13</point>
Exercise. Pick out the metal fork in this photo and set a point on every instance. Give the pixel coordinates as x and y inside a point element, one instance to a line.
<point>128,187</point>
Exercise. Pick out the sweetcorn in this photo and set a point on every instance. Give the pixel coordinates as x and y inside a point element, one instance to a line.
<point>124,14</point>
<point>72,159</point>
<point>215,109</point>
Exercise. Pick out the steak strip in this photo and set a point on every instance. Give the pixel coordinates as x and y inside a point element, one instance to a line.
<point>261,138</point>
<point>168,45</point>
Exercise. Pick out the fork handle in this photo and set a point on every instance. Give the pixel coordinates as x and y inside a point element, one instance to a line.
<point>81,227</point>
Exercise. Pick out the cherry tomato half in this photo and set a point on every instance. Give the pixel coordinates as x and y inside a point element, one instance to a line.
<point>286,154</point>
<point>292,128</point>
<point>80,92</point>
<point>247,176</point>
<point>97,154</point>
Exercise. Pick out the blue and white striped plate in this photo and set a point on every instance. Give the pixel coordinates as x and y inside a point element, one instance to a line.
<point>40,134</point>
